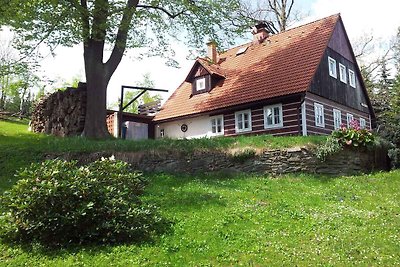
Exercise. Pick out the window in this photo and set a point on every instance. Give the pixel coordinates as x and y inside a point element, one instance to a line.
<point>162,133</point>
<point>349,119</point>
<point>352,79</point>
<point>332,67</point>
<point>319,115</point>
<point>217,125</point>
<point>201,84</point>
<point>362,123</point>
<point>337,118</point>
<point>243,121</point>
<point>342,73</point>
<point>241,50</point>
<point>273,116</point>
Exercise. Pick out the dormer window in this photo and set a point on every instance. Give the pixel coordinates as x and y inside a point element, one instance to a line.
<point>200,84</point>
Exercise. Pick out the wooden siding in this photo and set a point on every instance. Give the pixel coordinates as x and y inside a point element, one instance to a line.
<point>333,89</point>
<point>291,119</point>
<point>310,99</point>
<point>201,71</point>
<point>340,43</point>
<point>207,85</point>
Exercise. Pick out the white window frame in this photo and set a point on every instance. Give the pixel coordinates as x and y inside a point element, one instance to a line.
<point>162,133</point>
<point>363,123</point>
<point>332,71</point>
<point>349,118</point>
<point>337,118</point>
<point>342,73</point>
<point>273,125</point>
<point>352,78</point>
<point>319,114</point>
<point>241,113</point>
<point>216,118</point>
<point>200,83</point>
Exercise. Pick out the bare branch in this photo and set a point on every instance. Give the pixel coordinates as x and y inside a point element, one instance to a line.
<point>361,51</point>
<point>169,14</point>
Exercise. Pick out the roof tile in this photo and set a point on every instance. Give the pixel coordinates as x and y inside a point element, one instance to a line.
<point>283,64</point>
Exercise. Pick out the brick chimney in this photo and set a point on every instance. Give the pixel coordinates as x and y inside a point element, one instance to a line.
<point>212,51</point>
<point>260,33</point>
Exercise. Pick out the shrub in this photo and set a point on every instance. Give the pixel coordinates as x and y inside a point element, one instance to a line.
<point>57,202</point>
<point>352,136</point>
<point>330,147</point>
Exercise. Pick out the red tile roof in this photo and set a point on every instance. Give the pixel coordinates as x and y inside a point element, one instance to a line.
<point>283,64</point>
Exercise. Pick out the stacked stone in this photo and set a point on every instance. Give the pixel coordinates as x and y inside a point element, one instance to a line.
<point>269,162</point>
<point>61,113</point>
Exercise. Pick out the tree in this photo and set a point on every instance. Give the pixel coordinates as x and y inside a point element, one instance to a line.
<point>278,14</point>
<point>144,99</point>
<point>118,25</point>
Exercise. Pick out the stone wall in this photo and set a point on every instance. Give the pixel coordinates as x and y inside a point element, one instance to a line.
<point>61,113</point>
<point>272,162</point>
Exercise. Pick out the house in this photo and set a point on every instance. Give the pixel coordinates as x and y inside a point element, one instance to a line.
<point>304,81</point>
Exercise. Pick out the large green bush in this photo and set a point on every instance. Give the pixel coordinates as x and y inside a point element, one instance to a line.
<point>58,202</point>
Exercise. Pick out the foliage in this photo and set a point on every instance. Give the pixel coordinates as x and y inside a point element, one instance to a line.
<point>384,92</point>
<point>330,147</point>
<point>352,136</point>
<point>98,25</point>
<point>16,79</point>
<point>252,220</point>
<point>143,99</point>
<point>57,202</point>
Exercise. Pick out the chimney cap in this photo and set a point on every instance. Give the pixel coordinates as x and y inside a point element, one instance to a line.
<point>261,25</point>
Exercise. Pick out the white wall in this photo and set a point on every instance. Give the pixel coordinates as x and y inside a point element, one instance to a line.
<point>197,127</point>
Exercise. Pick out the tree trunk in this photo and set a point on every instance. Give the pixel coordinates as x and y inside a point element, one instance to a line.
<point>97,80</point>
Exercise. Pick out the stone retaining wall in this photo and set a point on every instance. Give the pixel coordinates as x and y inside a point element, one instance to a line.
<point>273,162</point>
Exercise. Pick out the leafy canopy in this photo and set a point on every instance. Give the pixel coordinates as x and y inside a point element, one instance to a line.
<point>154,23</point>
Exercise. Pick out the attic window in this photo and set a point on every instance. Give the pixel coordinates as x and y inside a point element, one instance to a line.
<point>201,84</point>
<point>332,67</point>
<point>352,79</point>
<point>241,50</point>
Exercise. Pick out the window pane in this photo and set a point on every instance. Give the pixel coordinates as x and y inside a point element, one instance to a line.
<point>246,120</point>
<point>277,115</point>
<point>240,121</point>
<point>268,115</point>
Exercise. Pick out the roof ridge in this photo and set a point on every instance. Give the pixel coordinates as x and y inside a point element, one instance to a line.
<point>311,22</point>
<point>279,33</point>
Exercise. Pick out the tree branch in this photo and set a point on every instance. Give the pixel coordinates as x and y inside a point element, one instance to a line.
<point>169,14</point>
<point>85,22</point>
<point>122,37</point>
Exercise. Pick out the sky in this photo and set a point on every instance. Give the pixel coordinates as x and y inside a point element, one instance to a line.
<point>360,17</point>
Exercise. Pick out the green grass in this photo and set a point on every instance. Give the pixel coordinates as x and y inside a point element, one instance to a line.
<point>243,220</point>
<point>255,221</point>
<point>19,147</point>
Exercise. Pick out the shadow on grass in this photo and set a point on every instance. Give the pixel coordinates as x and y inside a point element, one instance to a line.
<point>15,120</point>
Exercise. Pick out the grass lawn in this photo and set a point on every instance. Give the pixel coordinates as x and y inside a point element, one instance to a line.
<point>244,220</point>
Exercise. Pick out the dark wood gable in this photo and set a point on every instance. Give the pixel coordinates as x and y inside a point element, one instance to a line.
<point>199,75</point>
<point>324,85</point>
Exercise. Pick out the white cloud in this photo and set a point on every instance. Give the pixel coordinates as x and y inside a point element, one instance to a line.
<point>362,16</point>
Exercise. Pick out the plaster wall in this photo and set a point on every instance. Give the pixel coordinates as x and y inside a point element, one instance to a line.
<point>197,127</point>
